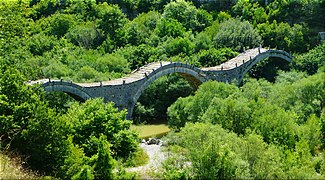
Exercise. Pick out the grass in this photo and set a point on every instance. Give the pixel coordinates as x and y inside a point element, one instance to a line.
<point>139,158</point>
<point>151,130</point>
<point>11,168</point>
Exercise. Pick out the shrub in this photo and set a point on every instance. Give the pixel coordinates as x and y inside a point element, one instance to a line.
<point>237,35</point>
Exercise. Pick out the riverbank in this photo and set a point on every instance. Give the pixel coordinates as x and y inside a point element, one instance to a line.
<point>156,157</point>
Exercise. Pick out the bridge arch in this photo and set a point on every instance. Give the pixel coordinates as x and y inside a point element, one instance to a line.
<point>189,72</point>
<point>262,56</point>
<point>73,90</point>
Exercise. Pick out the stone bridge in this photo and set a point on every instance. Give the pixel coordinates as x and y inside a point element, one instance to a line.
<point>125,92</point>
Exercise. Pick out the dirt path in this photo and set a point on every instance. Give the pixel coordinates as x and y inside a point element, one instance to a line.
<point>156,156</point>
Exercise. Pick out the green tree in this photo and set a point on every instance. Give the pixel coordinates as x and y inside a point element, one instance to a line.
<point>112,63</point>
<point>86,73</point>
<point>311,61</point>
<point>40,43</point>
<point>202,41</point>
<point>209,153</point>
<point>111,21</point>
<point>93,118</point>
<point>179,45</point>
<point>45,8</point>
<point>140,28</point>
<point>192,108</point>
<point>85,35</point>
<point>278,127</point>
<point>322,121</point>
<point>138,56</point>
<point>104,163</point>
<point>56,70</point>
<point>250,11</point>
<point>265,160</point>
<point>169,27</point>
<point>311,133</point>
<point>231,114</point>
<point>59,24</point>
<point>282,36</point>
<point>187,14</point>
<point>237,35</point>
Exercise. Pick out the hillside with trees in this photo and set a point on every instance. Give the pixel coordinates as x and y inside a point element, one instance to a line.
<point>272,126</point>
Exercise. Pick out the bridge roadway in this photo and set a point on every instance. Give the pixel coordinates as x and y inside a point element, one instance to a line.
<point>124,92</point>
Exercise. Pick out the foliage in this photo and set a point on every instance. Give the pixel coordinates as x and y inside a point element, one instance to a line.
<point>60,24</point>
<point>283,36</point>
<point>85,35</point>
<point>169,27</point>
<point>111,20</point>
<point>274,112</point>
<point>281,124</point>
<point>311,61</point>
<point>237,35</point>
<point>250,11</point>
<point>141,27</point>
<point>93,118</point>
<point>192,108</point>
<point>187,15</point>
<point>178,46</point>
<point>210,151</point>
<point>86,141</point>
<point>40,43</point>
<point>24,118</point>
<point>287,11</point>
<point>322,121</point>
<point>232,114</point>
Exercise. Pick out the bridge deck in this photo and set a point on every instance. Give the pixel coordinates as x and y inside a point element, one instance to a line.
<point>238,60</point>
<point>149,68</point>
<point>134,76</point>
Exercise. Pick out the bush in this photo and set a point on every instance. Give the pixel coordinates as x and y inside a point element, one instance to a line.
<point>237,35</point>
<point>60,24</point>
<point>40,43</point>
<point>169,27</point>
<point>231,114</point>
<point>86,35</point>
<point>311,61</point>
<point>207,151</point>
<point>192,108</point>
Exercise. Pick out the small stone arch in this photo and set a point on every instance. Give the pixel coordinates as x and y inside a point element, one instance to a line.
<point>262,56</point>
<point>73,90</point>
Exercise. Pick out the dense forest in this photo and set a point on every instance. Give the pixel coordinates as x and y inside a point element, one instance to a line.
<point>272,126</point>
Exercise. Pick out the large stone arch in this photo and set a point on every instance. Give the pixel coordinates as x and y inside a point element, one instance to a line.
<point>73,90</point>
<point>189,72</point>
<point>262,56</point>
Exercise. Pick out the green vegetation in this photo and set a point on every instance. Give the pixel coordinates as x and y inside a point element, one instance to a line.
<point>260,130</point>
<point>278,121</point>
<point>89,137</point>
